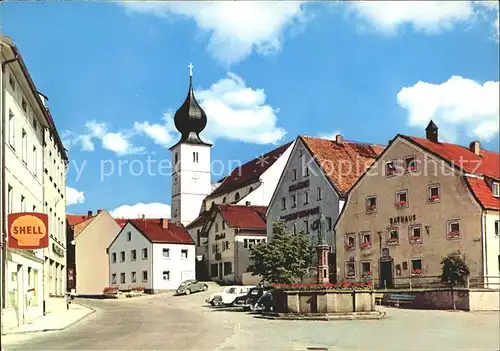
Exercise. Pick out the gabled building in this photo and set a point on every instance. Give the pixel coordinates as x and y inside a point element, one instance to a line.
<point>154,254</point>
<point>420,201</point>
<point>316,179</point>
<point>232,230</point>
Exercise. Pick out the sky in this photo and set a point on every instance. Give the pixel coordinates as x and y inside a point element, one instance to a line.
<point>264,72</point>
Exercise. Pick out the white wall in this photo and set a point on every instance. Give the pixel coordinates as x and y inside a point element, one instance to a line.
<point>138,242</point>
<point>180,269</point>
<point>492,250</point>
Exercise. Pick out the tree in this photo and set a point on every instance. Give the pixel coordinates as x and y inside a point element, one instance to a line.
<point>285,259</point>
<point>454,271</point>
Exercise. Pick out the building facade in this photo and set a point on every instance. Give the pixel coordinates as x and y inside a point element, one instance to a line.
<point>232,230</point>
<point>422,200</point>
<point>155,255</point>
<point>315,181</point>
<point>27,121</point>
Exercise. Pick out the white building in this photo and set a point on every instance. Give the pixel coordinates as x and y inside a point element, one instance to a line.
<point>315,181</point>
<point>27,122</point>
<point>157,256</point>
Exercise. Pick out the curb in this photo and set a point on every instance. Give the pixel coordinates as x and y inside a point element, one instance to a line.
<point>331,317</point>
<point>91,311</point>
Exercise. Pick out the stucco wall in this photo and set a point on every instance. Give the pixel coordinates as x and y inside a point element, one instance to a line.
<point>456,203</point>
<point>492,249</point>
<point>180,269</point>
<point>226,255</point>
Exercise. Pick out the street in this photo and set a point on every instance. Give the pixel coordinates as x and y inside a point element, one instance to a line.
<point>165,322</point>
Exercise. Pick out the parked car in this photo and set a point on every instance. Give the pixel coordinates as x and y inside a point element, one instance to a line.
<point>249,300</point>
<point>190,286</point>
<point>266,302</point>
<point>228,295</point>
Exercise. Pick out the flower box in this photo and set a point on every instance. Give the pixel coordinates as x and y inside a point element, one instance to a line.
<point>453,235</point>
<point>411,169</point>
<point>416,239</point>
<point>371,208</point>
<point>416,272</point>
<point>434,198</point>
<point>366,275</point>
<point>348,246</point>
<point>138,288</point>
<point>393,241</point>
<point>401,204</point>
<point>111,290</point>
<point>366,245</point>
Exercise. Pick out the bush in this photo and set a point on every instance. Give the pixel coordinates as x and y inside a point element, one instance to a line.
<point>455,269</point>
<point>327,286</point>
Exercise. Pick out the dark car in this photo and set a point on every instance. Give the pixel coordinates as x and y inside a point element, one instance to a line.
<point>249,300</point>
<point>266,302</point>
<point>190,286</point>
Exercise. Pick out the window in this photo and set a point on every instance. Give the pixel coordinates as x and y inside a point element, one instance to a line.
<point>34,208</point>
<point>223,225</point>
<point>195,157</point>
<point>225,245</point>
<point>365,240</point>
<point>129,236</point>
<point>133,255</point>
<point>184,253</point>
<point>122,278</point>
<point>237,196</point>
<point>10,199</point>
<point>133,278</point>
<point>294,200</point>
<point>496,189</point>
<point>250,189</point>
<point>453,230</point>
<point>24,146</point>
<point>144,276</point>
<point>371,204</point>
<point>34,123</point>
<point>24,105</point>
<point>12,82</point>
<point>166,253</point>
<point>294,174</point>
<point>390,168</point>
<point>319,194</point>
<point>294,228</point>
<point>350,269</point>
<point>122,256</point>
<point>306,197</point>
<point>35,162</point>
<point>283,203</point>
<point>176,158</point>
<point>23,204</point>
<point>145,254</point>
<point>12,130</point>
<point>113,278</point>
<point>415,234</point>
<point>250,243</point>
<point>166,275</point>
<point>393,236</point>
<point>113,257</point>
<point>224,200</point>
<point>350,241</point>
<point>306,226</point>
<point>366,269</point>
<point>401,199</point>
<point>228,268</point>
<point>416,267</point>
<point>410,164</point>
<point>306,171</point>
<point>497,227</point>
<point>433,191</point>
<point>329,223</point>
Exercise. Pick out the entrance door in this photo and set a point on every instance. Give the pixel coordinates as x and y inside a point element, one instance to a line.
<point>386,279</point>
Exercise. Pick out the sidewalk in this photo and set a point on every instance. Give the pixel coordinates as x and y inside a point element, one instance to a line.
<point>54,321</point>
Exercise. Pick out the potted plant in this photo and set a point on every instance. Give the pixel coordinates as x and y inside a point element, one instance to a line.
<point>367,274</point>
<point>401,204</point>
<point>416,272</point>
<point>366,245</point>
<point>453,235</point>
<point>393,240</point>
<point>434,198</point>
<point>415,239</point>
<point>371,208</point>
<point>348,246</point>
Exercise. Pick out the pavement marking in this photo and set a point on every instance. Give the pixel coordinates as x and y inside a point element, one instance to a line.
<point>229,339</point>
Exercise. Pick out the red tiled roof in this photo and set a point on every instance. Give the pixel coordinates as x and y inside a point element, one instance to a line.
<point>488,163</point>
<point>343,163</point>
<point>122,221</point>
<point>75,219</point>
<point>198,222</point>
<point>483,193</point>
<point>173,234</point>
<point>249,172</point>
<point>241,216</point>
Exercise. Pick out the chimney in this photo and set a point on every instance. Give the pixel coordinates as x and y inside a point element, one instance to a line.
<point>99,211</point>
<point>431,132</point>
<point>164,223</point>
<point>89,214</point>
<point>339,139</point>
<point>475,147</point>
<point>247,203</point>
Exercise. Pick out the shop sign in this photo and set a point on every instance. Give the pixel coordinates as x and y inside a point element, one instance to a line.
<point>299,185</point>
<point>57,250</point>
<point>300,214</point>
<point>402,219</point>
<point>28,231</point>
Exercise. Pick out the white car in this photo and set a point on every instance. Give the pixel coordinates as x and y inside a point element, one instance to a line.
<point>227,296</point>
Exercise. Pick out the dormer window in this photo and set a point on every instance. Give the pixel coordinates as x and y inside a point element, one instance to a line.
<point>237,196</point>
<point>496,189</point>
<point>390,168</point>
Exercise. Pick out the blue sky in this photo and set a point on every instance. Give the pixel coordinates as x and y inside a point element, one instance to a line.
<point>264,72</point>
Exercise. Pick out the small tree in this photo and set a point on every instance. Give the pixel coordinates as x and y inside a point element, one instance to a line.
<point>284,259</point>
<point>455,271</point>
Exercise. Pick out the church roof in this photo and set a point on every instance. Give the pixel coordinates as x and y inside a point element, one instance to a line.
<point>250,172</point>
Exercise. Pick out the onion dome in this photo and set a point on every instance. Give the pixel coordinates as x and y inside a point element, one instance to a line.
<point>190,119</point>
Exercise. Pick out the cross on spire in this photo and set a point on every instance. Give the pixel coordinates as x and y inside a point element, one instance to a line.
<point>190,69</point>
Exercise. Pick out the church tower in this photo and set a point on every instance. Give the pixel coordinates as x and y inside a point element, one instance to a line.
<point>191,177</point>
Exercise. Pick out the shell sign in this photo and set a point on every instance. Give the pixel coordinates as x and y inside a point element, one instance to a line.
<point>28,231</point>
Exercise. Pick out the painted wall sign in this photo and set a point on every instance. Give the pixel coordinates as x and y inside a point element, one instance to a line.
<point>300,214</point>
<point>402,219</point>
<point>28,231</point>
<point>299,185</point>
<point>220,236</point>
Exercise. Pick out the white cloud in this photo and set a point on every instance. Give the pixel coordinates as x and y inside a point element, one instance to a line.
<point>236,28</point>
<point>74,196</point>
<point>151,210</point>
<point>330,136</point>
<point>161,134</point>
<point>428,16</point>
<point>237,112</point>
<point>458,106</point>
